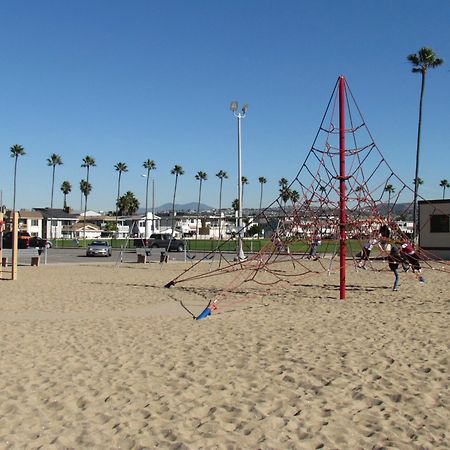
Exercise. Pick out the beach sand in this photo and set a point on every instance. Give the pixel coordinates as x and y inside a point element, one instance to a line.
<point>101,356</point>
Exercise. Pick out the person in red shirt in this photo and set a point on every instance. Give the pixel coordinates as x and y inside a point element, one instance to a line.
<point>411,259</point>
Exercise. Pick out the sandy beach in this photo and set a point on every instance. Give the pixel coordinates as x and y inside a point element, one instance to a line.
<point>102,356</point>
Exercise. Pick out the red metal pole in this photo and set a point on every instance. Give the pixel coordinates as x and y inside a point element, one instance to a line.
<point>342,197</point>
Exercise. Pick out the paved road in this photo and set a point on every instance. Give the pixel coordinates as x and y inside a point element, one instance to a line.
<point>78,256</point>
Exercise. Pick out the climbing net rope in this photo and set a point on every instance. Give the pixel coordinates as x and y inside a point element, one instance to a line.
<point>303,222</point>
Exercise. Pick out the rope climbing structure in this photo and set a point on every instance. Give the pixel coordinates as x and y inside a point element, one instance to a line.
<point>344,201</point>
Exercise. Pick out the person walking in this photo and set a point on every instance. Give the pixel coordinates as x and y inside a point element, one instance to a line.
<point>316,241</point>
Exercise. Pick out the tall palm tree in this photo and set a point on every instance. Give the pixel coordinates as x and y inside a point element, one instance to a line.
<point>120,167</point>
<point>285,192</point>
<point>149,165</point>
<point>85,188</point>
<point>421,61</point>
<point>53,161</point>
<point>244,181</point>
<point>445,185</point>
<point>221,175</point>
<point>66,188</point>
<point>201,177</point>
<point>390,189</point>
<point>88,162</point>
<point>294,196</point>
<point>177,171</point>
<point>262,181</point>
<point>16,151</point>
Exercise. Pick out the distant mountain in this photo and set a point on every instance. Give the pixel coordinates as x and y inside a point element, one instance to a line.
<point>185,207</point>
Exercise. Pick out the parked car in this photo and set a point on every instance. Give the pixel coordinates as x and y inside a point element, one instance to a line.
<point>163,240</point>
<point>23,241</point>
<point>39,242</point>
<point>99,248</point>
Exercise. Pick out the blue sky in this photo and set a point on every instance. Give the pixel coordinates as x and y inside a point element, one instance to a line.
<point>131,80</point>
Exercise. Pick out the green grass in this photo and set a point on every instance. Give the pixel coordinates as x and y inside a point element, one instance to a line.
<point>209,245</point>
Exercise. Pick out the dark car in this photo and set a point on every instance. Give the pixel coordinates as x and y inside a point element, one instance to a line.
<point>165,241</point>
<point>39,242</point>
<point>23,241</point>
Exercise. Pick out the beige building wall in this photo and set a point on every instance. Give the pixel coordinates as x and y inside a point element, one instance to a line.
<point>437,243</point>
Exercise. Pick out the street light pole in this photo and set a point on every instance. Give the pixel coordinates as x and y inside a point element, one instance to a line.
<point>239,115</point>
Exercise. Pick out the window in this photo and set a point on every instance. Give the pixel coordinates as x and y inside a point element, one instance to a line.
<point>34,222</point>
<point>440,223</point>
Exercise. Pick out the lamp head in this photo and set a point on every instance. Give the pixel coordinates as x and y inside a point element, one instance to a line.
<point>234,106</point>
<point>245,108</point>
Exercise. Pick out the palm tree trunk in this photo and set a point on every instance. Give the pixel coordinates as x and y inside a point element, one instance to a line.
<point>416,184</point>
<point>146,204</point>
<point>173,205</point>
<point>220,209</point>
<point>260,198</point>
<point>85,206</point>
<point>85,212</point>
<point>198,209</point>
<point>117,203</point>
<point>15,177</point>
<point>51,201</point>
<point>53,186</point>
<point>389,206</point>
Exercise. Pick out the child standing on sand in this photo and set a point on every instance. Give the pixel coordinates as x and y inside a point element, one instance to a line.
<point>316,241</point>
<point>394,260</point>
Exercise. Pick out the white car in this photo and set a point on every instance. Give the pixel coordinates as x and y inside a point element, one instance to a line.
<point>99,248</point>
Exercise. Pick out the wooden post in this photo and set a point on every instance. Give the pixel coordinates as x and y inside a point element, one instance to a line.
<point>14,246</point>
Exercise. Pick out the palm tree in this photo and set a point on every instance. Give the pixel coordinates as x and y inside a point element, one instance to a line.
<point>149,165</point>
<point>128,203</point>
<point>235,206</point>
<point>262,181</point>
<point>66,188</point>
<point>445,185</point>
<point>390,190</point>
<point>177,171</point>
<point>285,192</point>
<point>16,151</point>
<point>221,175</point>
<point>201,177</point>
<point>53,161</point>
<point>244,181</point>
<point>120,167</point>
<point>294,196</point>
<point>88,162</point>
<point>419,181</point>
<point>85,188</point>
<point>421,61</point>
